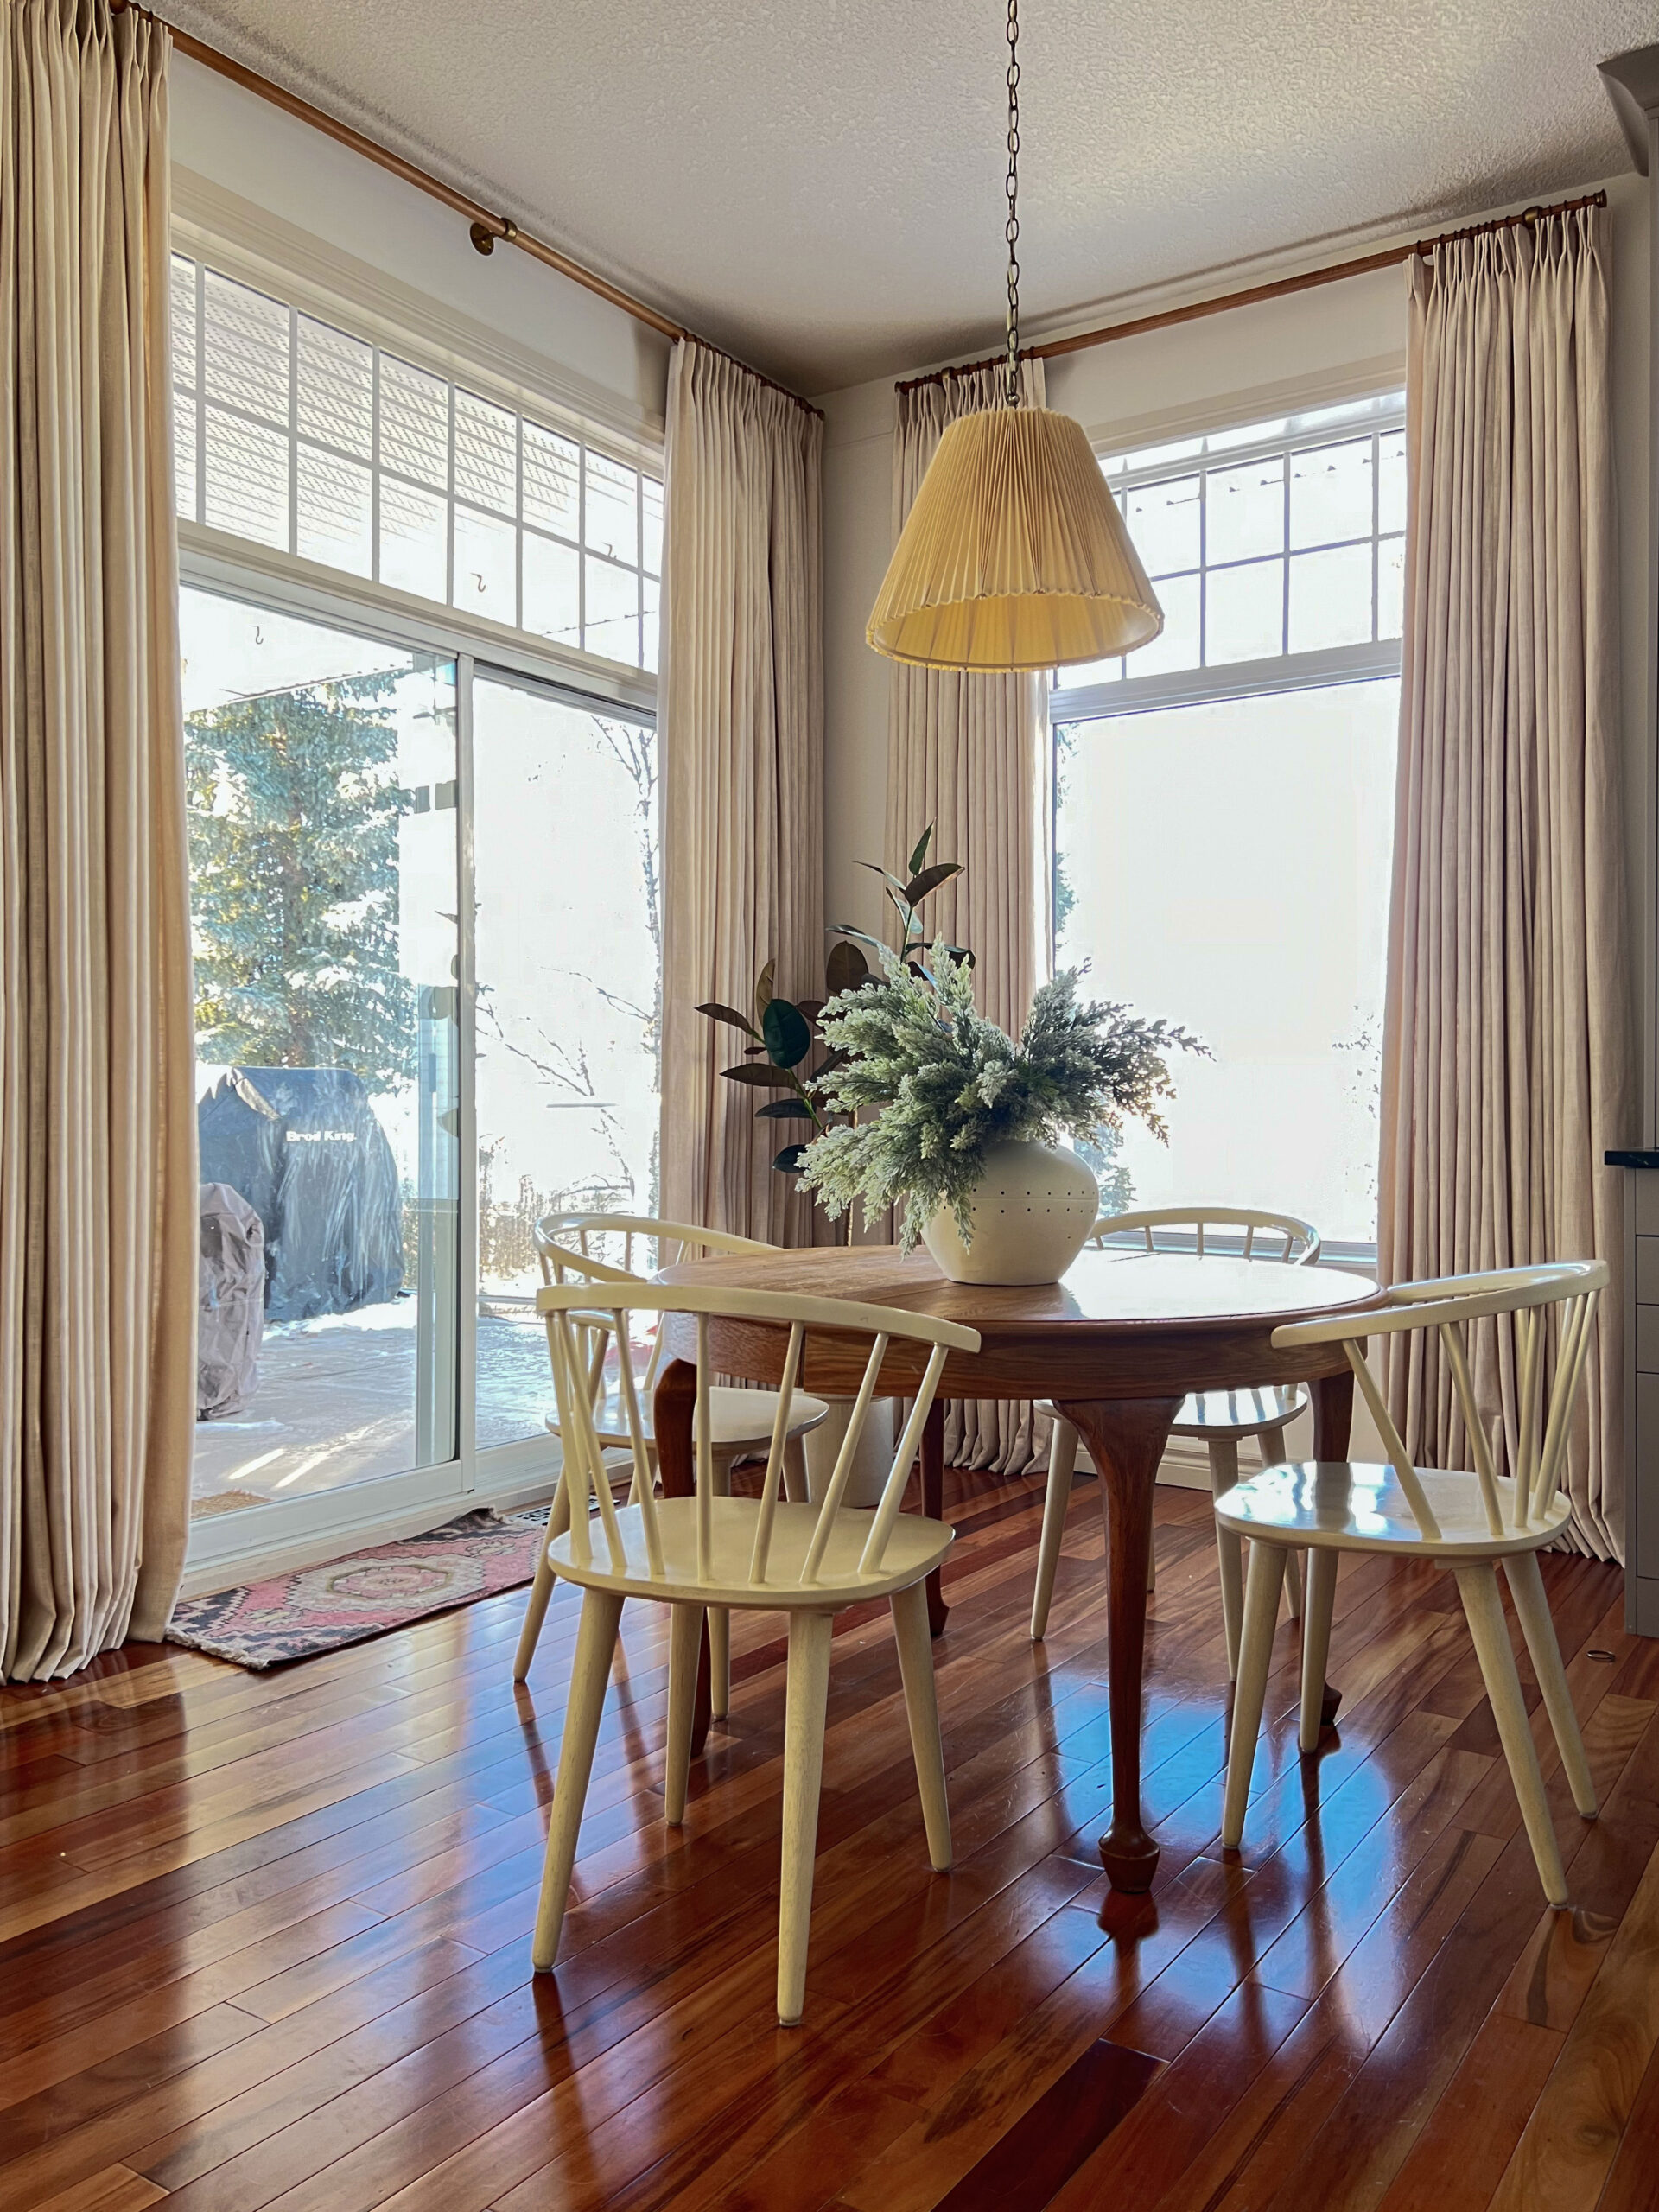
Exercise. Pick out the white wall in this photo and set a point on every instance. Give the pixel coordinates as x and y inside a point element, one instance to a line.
<point>244,145</point>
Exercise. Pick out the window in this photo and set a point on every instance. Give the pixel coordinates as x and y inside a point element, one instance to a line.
<point>296,434</point>
<point>1223,808</point>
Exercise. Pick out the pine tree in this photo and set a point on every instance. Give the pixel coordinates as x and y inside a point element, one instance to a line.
<point>293,809</point>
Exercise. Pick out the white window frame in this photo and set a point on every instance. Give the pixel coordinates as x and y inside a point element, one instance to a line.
<point>288,1532</point>
<point>1379,660</point>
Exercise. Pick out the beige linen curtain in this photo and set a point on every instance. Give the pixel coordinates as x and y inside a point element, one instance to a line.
<point>969,752</point>
<point>742,743</point>
<point>98,1176</point>
<point>1508,1049</point>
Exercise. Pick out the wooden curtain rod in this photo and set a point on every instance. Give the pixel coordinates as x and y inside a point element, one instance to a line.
<point>484,225</point>
<point>1279,288</point>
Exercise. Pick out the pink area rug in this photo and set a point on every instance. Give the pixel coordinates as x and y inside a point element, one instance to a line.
<point>366,1594</point>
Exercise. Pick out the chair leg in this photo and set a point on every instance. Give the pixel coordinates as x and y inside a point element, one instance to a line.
<point>1532,1606</point>
<point>1249,1693</point>
<point>1477,1586</point>
<point>1230,1552</point>
<point>590,1676</point>
<point>720,1621</point>
<point>541,1590</point>
<point>1062,1466</point>
<point>1273,1455</point>
<point>806,1693</point>
<point>915,1642</point>
<point>1316,1637</point>
<point>684,1649</point>
<point>797,1489</point>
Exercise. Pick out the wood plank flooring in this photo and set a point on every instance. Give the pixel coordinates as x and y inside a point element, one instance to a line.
<point>265,1942</point>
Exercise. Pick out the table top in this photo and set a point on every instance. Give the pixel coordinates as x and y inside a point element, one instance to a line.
<point>1120,1318</point>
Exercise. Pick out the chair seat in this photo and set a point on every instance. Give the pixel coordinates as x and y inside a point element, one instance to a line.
<point>740,1417</point>
<point>914,1550</point>
<point>1355,1505</point>
<point>1223,1414</point>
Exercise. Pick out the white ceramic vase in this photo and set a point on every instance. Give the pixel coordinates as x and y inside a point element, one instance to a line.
<point>1031,1213</point>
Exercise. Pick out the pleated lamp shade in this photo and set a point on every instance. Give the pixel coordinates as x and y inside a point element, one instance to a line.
<point>1014,554</point>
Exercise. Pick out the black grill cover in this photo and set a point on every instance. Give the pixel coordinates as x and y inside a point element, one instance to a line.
<point>303,1148</point>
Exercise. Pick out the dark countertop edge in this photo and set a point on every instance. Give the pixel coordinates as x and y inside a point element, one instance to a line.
<point>1641,1159</point>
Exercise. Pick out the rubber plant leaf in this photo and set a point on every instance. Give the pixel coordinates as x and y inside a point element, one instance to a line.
<point>846,929</point>
<point>788,1161</point>
<point>918,860</point>
<point>763,986</point>
<point>757,1071</point>
<point>892,882</point>
<point>846,969</point>
<point>787,1032</point>
<point>784,1109</point>
<point>930,879</point>
<point>717,1012</point>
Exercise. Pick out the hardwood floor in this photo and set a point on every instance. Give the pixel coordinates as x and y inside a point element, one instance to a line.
<point>266,1942</point>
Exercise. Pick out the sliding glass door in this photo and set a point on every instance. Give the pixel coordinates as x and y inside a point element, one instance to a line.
<point>322,791</point>
<point>373,825</point>
<point>569,1003</point>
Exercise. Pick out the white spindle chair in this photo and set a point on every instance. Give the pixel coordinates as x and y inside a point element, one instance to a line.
<point>748,1554</point>
<point>1220,1419</point>
<point>1466,1521</point>
<point>577,1246</point>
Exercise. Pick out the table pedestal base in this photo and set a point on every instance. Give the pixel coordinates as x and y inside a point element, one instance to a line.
<point>1125,1439</point>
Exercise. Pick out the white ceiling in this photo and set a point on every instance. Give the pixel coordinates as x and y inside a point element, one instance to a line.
<point>818,186</point>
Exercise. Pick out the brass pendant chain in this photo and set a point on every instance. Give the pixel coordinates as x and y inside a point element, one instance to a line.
<point>1013,203</point>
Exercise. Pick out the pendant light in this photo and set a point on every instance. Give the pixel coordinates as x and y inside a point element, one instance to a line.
<point>1014,554</point>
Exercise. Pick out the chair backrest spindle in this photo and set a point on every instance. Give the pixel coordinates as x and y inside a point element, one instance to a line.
<point>1569,1367</point>
<point>1531,1328</point>
<point>1399,1457</point>
<point>893,1493</point>
<point>644,1493</point>
<point>705,1450</point>
<point>1458,1360</point>
<point>768,1512</point>
<point>577,1427</point>
<point>837,1489</point>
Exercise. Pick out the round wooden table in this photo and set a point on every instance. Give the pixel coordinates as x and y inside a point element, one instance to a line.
<point>1116,1346</point>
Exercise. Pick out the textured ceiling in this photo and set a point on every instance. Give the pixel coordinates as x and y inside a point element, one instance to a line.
<point>817,185</point>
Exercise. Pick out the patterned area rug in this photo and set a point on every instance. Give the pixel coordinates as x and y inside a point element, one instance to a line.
<point>366,1594</point>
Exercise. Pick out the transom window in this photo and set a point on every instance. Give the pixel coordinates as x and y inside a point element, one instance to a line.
<point>296,434</point>
<point>1274,540</point>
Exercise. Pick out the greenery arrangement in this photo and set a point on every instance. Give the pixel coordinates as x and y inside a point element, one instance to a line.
<point>784,1034</point>
<point>950,1084</point>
